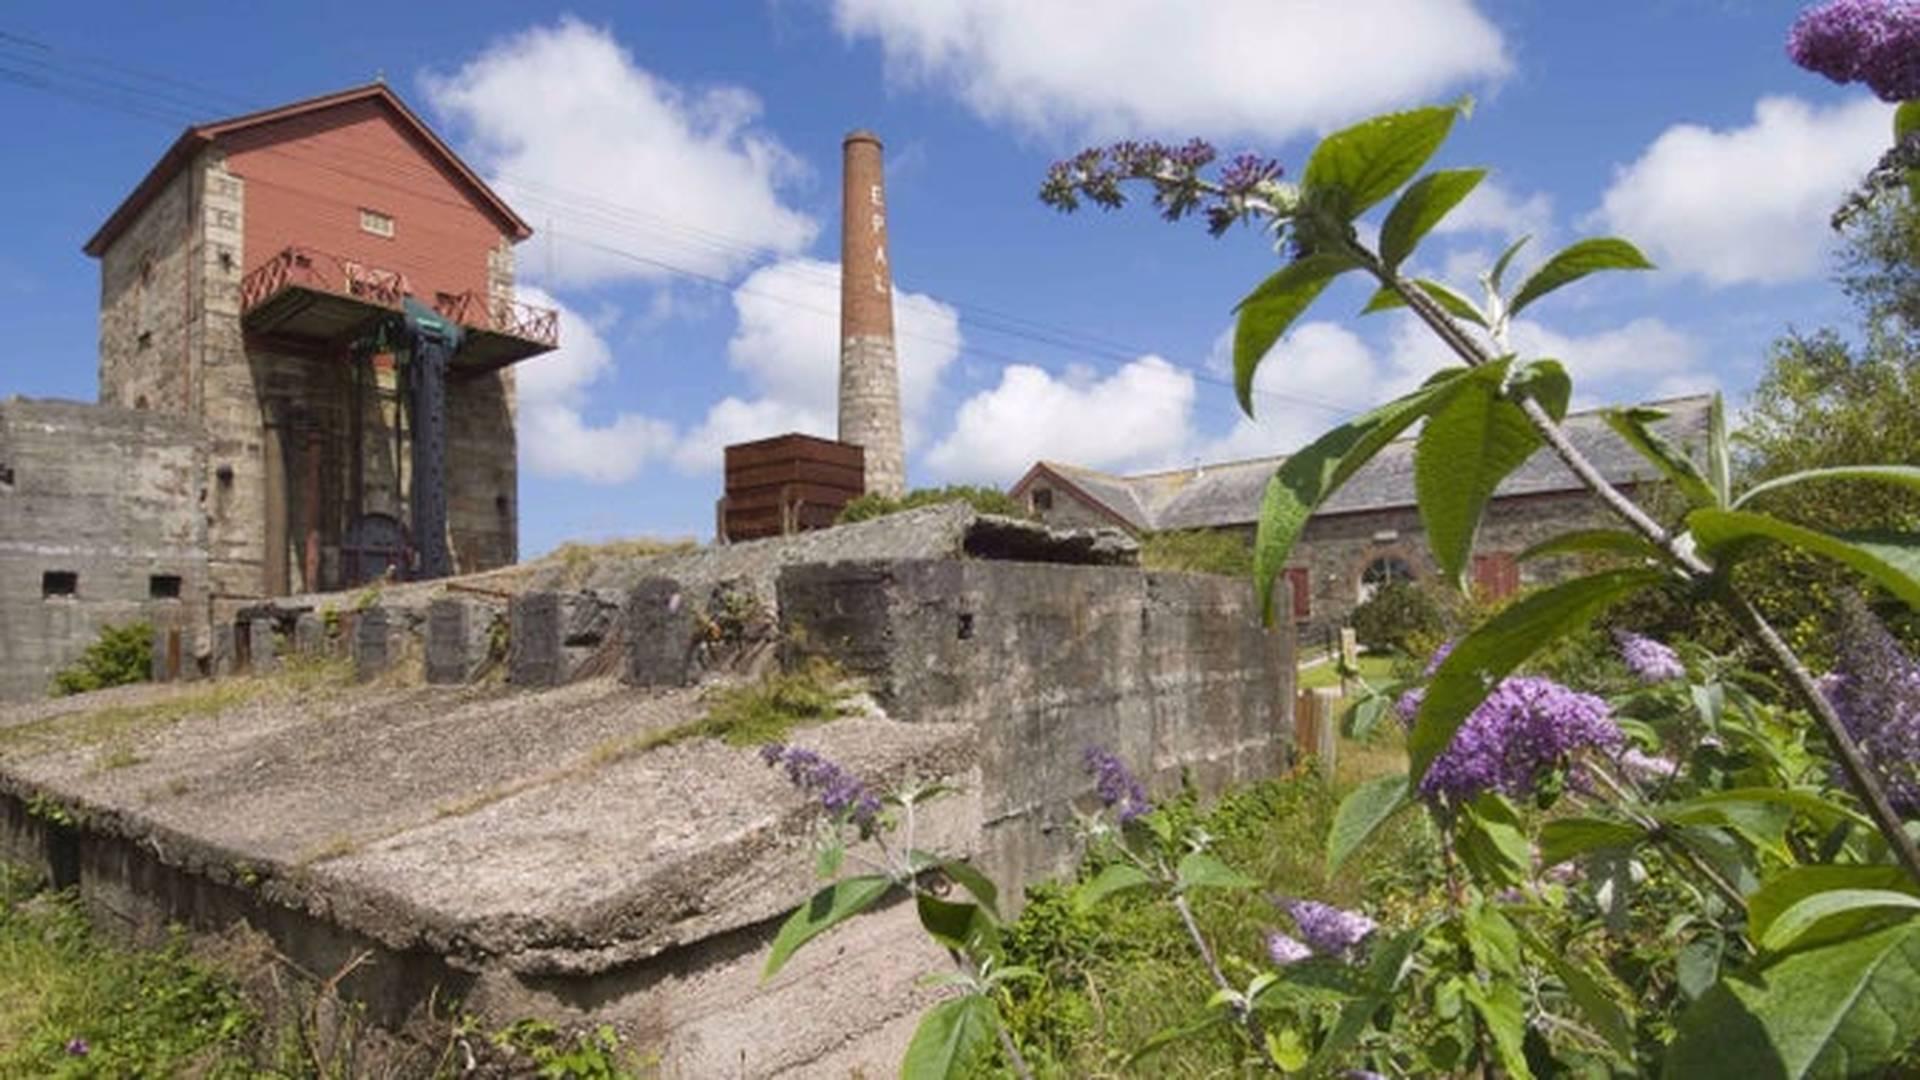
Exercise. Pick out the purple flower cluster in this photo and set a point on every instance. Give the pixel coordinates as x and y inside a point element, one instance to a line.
<point>839,791</point>
<point>1325,929</point>
<point>1284,950</point>
<point>1526,726</point>
<point>1115,785</point>
<point>78,1047</point>
<point>1647,768</point>
<point>1649,660</point>
<point>1875,687</point>
<point>1872,41</point>
<point>1097,173</point>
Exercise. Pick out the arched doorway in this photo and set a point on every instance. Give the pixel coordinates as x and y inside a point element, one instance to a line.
<point>1382,571</point>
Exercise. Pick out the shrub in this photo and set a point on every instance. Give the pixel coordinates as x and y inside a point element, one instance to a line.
<point>120,655</point>
<point>1198,551</point>
<point>1400,616</point>
<point>984,499</point>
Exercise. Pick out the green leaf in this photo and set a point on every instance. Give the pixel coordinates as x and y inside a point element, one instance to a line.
<point>951,1036</point>
<point>1566,838</point>
<point>828,908</point>
<point>1762,821</point>
<point>1906,121</point>
<point>1719,455</point>
<point>1305,479</point>
<point>1492,847</point>
<point>1844,1009</point>
<point>1504,1013</point>
<point>1287,1050</point>
<point>1492,938</point>
<point>1469,445</point>
<point>1633,425</point>
<point>1547,382</point>
<point>972,880</point>
<point>1179,1032</point>
<point>1421,208</point>
<point>1113,879</point>
<point>1791,888</point>
<point>1505,260</point>
<point>1902,475</point>
<point>1575,262</point>
<point>1370,160</point>
<point>1603,1013</point>
<point>1200,870</point>
<point>1385,299</point>
<point>1502,643</point>
<point>965,927</point>
<point>1385,966</point>
<point>1892,560</point>
<point>1365,809</point>
<point>1603,541</point>
<point>1833,905</point>
<point>1267,312</point>
<point>826,863</point>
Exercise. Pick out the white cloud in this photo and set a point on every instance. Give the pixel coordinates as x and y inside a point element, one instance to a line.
<point>1137,416</point>
<point>787,344</point>
<point>1268,69</point>
<point>1506,216</point>
<point>597,153</point>
<point>1638,355</point>
<point>1747,204</point>
<point>555,438</point>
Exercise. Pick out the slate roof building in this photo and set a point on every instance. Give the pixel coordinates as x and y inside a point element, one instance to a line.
<point>1369,532</point>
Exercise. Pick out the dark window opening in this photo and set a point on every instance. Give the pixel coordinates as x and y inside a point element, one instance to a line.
<point>6,478</point>
<point>1043,498</point>
<point>140,403</point>
<point>145,339</point>
<point>163,587</point>
<point>966,626</point>
<point>1387,569</point>
<point>59,583</point>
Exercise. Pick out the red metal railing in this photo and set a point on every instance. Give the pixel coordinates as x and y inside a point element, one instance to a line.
<point>307,268</point>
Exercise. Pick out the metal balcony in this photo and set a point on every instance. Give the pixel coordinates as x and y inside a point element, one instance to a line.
<point>311,298</point>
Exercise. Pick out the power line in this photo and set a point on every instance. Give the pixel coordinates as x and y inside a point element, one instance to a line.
<point>588,207</point>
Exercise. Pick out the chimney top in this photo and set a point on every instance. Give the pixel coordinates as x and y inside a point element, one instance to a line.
<point>860,135</point>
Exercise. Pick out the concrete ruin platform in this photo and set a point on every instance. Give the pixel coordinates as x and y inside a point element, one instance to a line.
<point>541,849</point>
<point>516,849</point>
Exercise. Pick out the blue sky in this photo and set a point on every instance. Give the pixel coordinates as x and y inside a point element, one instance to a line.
<point>680,164</point>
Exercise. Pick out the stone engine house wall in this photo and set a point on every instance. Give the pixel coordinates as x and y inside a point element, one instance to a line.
<point>293,434</point>
<point>111,497</point>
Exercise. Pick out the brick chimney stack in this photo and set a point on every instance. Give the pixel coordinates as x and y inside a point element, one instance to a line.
<point>869,369</point>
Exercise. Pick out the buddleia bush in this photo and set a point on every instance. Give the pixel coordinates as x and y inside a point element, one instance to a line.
<point>119,656</point>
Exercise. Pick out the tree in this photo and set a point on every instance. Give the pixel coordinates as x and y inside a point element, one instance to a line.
<point>1824,402</point>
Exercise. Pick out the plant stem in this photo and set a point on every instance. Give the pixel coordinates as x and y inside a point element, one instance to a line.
<point>1242,1009</point>
<point>1007,1045</point>
<point>1694,569</point>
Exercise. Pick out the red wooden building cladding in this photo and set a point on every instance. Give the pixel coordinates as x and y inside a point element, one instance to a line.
<point>309,177</point>
<point>789,483</point>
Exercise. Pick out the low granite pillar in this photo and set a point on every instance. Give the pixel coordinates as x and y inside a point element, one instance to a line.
<point>224,661</point>
<point>660,634</point>
<point>309,635</point>
<point>456,641</point>
<point>534,654</point>
<point>260,644</point>
<point>372,644</point>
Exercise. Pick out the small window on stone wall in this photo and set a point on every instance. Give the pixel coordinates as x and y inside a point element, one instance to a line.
<point>59,583</point>
<point>375,222</point>
<point>1043,499</point>
<point>6,478</point>
<point>163,587</point>
<point>145,339</point>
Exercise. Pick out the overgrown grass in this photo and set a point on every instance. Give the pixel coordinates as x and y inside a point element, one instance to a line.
<point>576,559</point>
<point>754,714</point>
<point>75,1004</point>
<point>1376,668</point>
<point>116,726</point>
<point>1117,975</point>
<point>1198,551</point>
<point>986,500</point>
